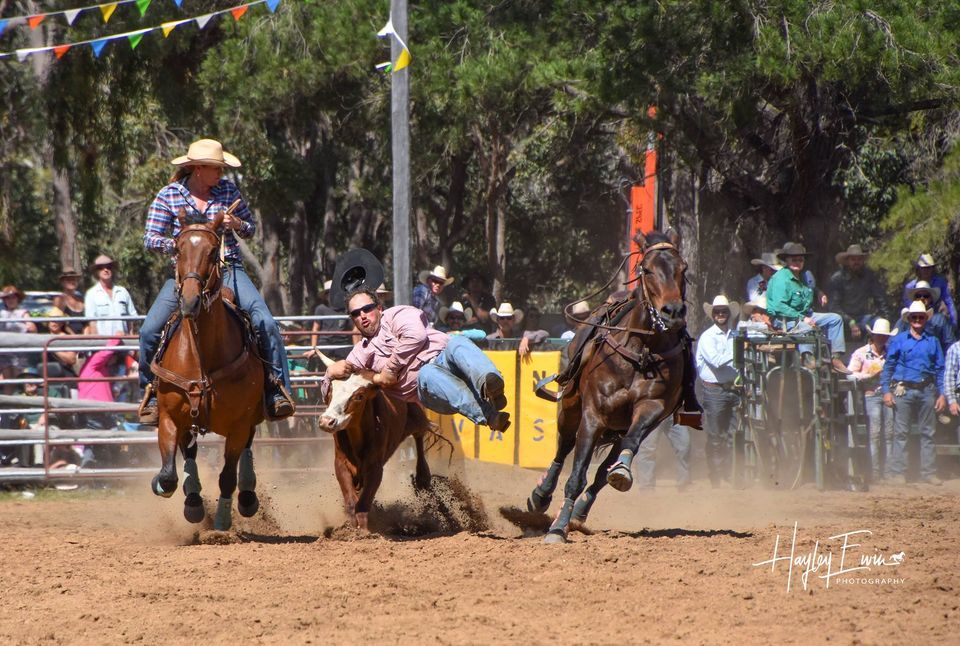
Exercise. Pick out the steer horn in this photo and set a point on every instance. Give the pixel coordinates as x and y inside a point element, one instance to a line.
<point>327,361</point>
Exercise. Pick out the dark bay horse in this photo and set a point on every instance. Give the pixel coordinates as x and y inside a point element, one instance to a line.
<point>209,378</point>
<point>631,380</point>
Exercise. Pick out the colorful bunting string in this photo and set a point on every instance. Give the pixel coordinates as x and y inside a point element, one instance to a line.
<point>106,9</point>
<point>403,59</point>
<point>133,37</point>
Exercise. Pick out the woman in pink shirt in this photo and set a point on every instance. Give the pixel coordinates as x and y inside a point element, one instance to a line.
<point>866,364</point>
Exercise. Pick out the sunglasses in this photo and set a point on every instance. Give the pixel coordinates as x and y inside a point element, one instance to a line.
<point>918,297</point>
<point>366,309</point>
<point>99,267</point>
<point>918,317</point>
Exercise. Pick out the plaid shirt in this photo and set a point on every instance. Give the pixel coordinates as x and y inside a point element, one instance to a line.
<point>162,225</point>
<point>950,381</point>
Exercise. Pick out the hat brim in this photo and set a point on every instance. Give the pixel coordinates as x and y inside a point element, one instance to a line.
<point>733,306</point>
<point>356,268</point>
<point>843,255</point>
<point>228,160</point>
<point>425,275</point>
<point>934,292</point>
<point>750,308</point>
<point>892,332</point>
<point>517,315</point>
<point>16,293</point>
<point>906,315</point>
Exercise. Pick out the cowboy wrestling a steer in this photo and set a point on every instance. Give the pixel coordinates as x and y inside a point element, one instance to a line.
<point>401,354</point>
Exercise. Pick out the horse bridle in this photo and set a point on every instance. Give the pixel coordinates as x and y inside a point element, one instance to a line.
<point>209,286</point>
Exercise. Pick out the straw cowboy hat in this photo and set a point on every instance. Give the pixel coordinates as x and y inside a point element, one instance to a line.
<point>721,301</point>
<point>207,152</point>
<point>768,259</point>
<point>792,249</point>
<point>882,327</point>
<point>506,311</point>
<point>102,260</point>
<point>853,250</point>
<point>438,273</point>
<point>456,307</point>
<point>924,286</point>
<point>751,306</point>
<point>925,260</point>
<point>916,307</point>
<point>580,310</point>
<point>11,290</point>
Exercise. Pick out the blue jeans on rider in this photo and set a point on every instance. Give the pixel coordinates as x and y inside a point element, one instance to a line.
<point>451,382</point>
<point>645,459</point>
<point>248,298</point>
<point>914,410</point>
<point>832,326</point>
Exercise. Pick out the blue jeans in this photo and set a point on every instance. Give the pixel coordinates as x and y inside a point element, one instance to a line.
<point>679,437</point>
<point>451,382</point>
<point>248,298</point>
<point>720,421</point>
<point>880,423</point>
<point>832,326</point>
<point>915,411</point>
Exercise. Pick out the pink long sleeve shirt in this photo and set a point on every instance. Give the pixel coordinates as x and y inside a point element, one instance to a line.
<point>402,346</point>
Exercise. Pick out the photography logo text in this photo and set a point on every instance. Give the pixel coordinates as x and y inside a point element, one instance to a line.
<point>842,559</point>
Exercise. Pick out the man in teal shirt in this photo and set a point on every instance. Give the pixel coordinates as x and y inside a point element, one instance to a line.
<point>790,303</point>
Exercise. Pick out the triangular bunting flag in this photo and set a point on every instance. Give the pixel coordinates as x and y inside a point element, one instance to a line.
<point>272,5</point>
<point>167,27</point>
<point>135,39</point>
<point>402,60</point>
<point>71,15</point>
<point>239,11</point>
<point>23,53</point>
<point>33,21</point>
<point>98,45</point>
<point>387,29</point>
<point>60,50</point>
<point>203,20</point>
<point>178,3</point>
<point>107,11</point>
<point>385,67</point>
<point>142,6</point>
<point>3,25</point>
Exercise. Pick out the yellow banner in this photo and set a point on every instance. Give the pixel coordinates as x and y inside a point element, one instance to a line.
<point>459,431</point>
<point>495,446</point>
<point>537,423</point>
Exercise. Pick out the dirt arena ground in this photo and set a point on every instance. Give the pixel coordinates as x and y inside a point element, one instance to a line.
<point>121,566</point>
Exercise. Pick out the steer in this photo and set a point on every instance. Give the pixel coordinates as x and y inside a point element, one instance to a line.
<point>368,426</point>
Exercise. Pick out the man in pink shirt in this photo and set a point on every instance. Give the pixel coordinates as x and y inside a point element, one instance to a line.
<point>417,363</point>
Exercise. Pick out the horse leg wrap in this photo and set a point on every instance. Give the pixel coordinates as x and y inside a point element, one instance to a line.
<point>191,478</point>
<point>158,487</point>
<point>558,530</point>
<point>619,476</point>
<point>222,520</point>
<point>582,508</point>
<point>542,495</point>
<point>247,480</point>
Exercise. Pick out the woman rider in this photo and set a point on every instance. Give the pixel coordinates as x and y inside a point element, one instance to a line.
<point>199,188</point>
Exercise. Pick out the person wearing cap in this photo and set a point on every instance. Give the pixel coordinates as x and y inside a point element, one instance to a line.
<point>938,325</point>
<point>767,265</point>
<point>855,291</point>
<point>402,353</point>
<point>912,382</point>
<point>925,268</point>
<point>107,299</point>
<point>70,299</point>
<point>866,364</point>
<point>790,305</point>
<point>714,362</point>
<point>199,188</point>
<point>426,295</point>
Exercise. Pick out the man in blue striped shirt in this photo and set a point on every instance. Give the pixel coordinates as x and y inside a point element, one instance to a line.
<point>200,190</point>
<point>912,382</point>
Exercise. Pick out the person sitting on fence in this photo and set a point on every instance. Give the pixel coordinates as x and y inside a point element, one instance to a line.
<point>13,318</point>
<point>820,297</point>
<point>756,320</point>
<point>938,325</point>
<point>925,268</point>
<point>508,322</point>
<point>768,266</point>
<point>866,364</point>
<point>790,305</point>
<point>70,300</point>
<point>454,318</point>
<point>856,291</point>
<point>912,382</point>
<point>417,363</point>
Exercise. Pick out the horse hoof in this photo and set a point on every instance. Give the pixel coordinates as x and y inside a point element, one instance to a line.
<point>555,538</point>
<point>620,478</point>
<point>193,508</point>
<point>158,489</point>
<point>248,503</point>
<point>537,503</point>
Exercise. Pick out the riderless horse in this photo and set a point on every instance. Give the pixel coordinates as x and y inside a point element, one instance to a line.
<point>630,380</point>
<point>209,377</point>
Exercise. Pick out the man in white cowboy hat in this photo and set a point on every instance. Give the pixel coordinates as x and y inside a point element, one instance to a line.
<point>400,352</point>
<point>714,361</point>
<point>426,295</point>
<point>938,325</point>
<point>508,322</point>
<point>790,305</point>
<point>925,267</point>
<point>767,265</point>
<point>866,364</point>
<point>106,299</point>
<point>855,291</point>
<point>453,318</point>
<point>912,382</point>
<point>199,189</point>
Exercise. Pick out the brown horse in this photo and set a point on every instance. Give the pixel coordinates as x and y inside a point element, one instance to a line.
<point>631,380</point>
<point>209,378</point>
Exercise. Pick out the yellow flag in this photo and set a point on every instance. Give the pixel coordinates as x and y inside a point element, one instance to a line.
<point>107,10</point>
<point>167,27</point>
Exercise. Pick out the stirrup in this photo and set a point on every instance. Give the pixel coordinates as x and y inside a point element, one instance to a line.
<point>149,414</point>
<point>270,394</point>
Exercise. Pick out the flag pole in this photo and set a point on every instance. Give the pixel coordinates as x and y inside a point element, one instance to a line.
<point>400,129</point>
